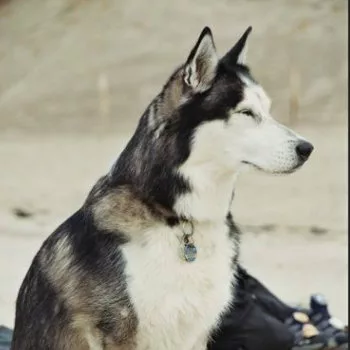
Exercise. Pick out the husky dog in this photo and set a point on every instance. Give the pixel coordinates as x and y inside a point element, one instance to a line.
<point>148,262</point>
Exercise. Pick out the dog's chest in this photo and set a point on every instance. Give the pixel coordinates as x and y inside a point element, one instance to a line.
<point>178,302</point>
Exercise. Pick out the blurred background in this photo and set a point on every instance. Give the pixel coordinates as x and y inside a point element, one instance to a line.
<point>75,76</point>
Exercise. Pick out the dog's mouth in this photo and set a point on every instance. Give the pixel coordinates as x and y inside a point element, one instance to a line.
<point>253,165</point>
<point>289,171</point>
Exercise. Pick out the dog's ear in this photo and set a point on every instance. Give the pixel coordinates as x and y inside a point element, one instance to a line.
<point>201,65</point>
<point>237,54</point>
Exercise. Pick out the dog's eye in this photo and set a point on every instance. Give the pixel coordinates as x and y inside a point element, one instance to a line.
<point>247,112</point>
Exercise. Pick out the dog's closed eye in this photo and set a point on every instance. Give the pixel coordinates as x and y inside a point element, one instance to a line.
<point>247,112</point>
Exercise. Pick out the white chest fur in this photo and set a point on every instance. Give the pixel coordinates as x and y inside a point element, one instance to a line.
<point>178,302</point>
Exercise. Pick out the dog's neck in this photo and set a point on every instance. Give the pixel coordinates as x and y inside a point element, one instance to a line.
<point>199,189</point>
<point>207,199</point>
<point>210,196</point>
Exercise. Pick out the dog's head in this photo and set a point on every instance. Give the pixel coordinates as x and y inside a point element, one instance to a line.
<point>210,120</point>
<point>228,112</point>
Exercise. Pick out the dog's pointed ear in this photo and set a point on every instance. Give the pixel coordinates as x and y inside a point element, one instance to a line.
<point>237,54</point>
<point>201,65</point>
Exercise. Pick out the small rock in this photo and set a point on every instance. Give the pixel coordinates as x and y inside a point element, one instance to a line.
<point>318,230</point>
<point>22,213</point>
<point>268,227</point>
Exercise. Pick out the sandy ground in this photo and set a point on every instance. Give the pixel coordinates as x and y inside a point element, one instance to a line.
<point>58,134</point>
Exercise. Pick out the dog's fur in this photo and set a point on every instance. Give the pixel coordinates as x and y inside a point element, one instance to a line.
<point>112,276</point>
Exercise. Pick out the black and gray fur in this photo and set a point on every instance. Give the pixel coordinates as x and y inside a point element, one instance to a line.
<point>74,295</point>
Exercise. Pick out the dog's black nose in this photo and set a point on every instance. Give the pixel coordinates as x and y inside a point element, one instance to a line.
<point>304,150</point>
